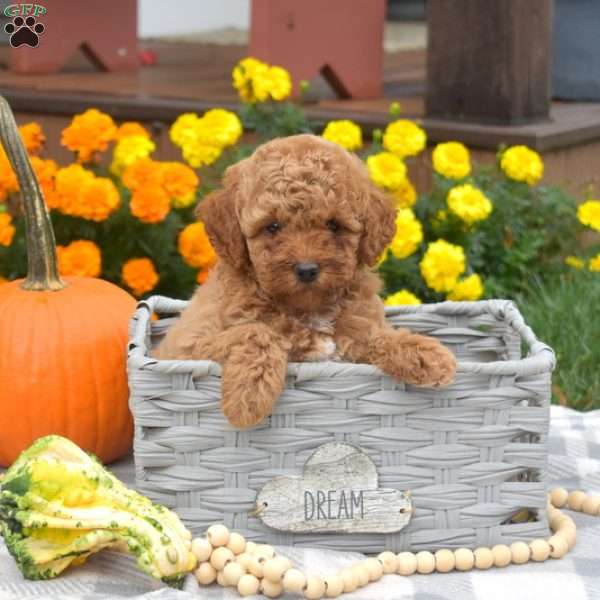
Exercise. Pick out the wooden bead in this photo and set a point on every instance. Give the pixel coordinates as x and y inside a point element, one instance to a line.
<point>205,573</point>
<point>334,586</point>
<point>520,553</point>
<point>558,546</point>
<point>255,566</point>
<point>569,534</point>
<point>591,505</point>
<point>274,568</point>
<point>244,559</point>
<point>540,550</point>
<point>559,497</point>
<point>221,579</point>
<point>576,499</point>
<point>315,588</point>
<point>236,543</point>
<point>444,561</point>
<point>264,551</point>
<point>407,563</point>
<point>248,585</point>
<point>202,548</point>
<point>294,580</point>
<point>232,573</point>
<point>502,555</point>
<point>349,579</point>
<point>250,547</point>
<point>217,535</point>
<point>220,557</point>
<point>362,573</point>
<point>271,589</point>
<point>375,569</point>
<point>425,562</point>
<point>389,561</point>
<point>484,558</point>
<point>464,558</point>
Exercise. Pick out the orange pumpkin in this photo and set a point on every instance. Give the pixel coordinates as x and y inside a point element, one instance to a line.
<point>62,343</point>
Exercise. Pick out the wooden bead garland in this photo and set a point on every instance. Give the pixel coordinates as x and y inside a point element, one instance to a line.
<point>252,568</point>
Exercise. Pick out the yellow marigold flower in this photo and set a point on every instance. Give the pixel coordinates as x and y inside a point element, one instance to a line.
<point>89,133</point>
<point>595,263</point>
<point>183,129</point>
<point>405,196</point>
<point>522,164</point>
<point>80,258</point>
<point>129,150</point>
<point>442,265</point>
<point>150,204</point>
<point>197,155</point>
<point>409,234</point>
<point>401,297</point>
<point>144,172</point>
<point>7,229</point>
<point>469,288</point>
<point>575,262</point>
<point>139,275</point>
<point>273,82</point>
<point>180,182</point>
<point>404,138</point>
<point>8,178</point>
<point>588,214</point>
<point>452,160</point>
<point>195,247</point>
<point>345,133</point>
<point>386,170</point>
<point>243,75</point>
<point>130,128</point>
<point>68,183</point>
<point>33,137</point>
<point>218,127</point>
<point>469,203</point>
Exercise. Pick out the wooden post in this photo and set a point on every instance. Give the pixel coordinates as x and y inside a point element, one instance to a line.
<point>489,60</point>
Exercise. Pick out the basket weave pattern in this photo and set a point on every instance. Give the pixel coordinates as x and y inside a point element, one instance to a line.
<point>473,454</point>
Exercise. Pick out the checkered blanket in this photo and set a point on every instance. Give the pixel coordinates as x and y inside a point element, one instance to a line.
<point>574,463</point>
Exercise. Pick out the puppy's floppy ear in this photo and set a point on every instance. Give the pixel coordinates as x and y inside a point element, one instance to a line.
<point>379,224</point>
<point>218,213</point>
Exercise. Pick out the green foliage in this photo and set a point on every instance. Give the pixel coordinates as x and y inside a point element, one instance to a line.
<point>562,310</point>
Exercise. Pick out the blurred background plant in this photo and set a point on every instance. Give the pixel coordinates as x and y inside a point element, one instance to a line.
<point>480,231</point>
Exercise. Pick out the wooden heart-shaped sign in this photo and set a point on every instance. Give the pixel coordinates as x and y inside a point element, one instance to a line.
<point>337,492</point>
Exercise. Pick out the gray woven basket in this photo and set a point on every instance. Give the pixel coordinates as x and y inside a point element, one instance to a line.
<point>474,454</point>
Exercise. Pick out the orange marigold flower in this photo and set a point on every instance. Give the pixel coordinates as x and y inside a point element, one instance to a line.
<point>180,182</point>
<point>150,204</point>
<point>202,276</point>
<point>33,137</point>
<point>130,128</point>
<point>80,258</point>
<point>45,171</point>
<point>98,199</point>
<point>8,179</point>
<point>68,183</point>
<point>89,133</point>
<point>7,229</point>
<point>139,275</point>
<point>195,247</point>
<point>143,172</point>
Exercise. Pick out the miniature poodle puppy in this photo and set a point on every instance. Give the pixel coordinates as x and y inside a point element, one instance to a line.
<point>297,227</point>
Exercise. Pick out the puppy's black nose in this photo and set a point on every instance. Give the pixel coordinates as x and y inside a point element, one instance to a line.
<point>307,271</point>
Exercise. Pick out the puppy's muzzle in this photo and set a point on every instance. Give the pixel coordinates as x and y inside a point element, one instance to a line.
<point>307,272</point>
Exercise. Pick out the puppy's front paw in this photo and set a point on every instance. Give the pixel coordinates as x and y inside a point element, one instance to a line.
<point>422,361</point>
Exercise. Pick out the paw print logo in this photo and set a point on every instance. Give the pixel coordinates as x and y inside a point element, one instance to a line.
<point>24,32</point>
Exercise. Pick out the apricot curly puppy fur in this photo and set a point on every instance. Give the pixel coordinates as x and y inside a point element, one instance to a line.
<point>297,227</point>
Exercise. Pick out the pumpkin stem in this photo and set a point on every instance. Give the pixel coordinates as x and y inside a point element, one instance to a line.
<point>42,268</point>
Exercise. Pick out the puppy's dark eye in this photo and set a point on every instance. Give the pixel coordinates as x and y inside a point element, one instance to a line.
<point>333,225</point>
<point>273,228</point>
